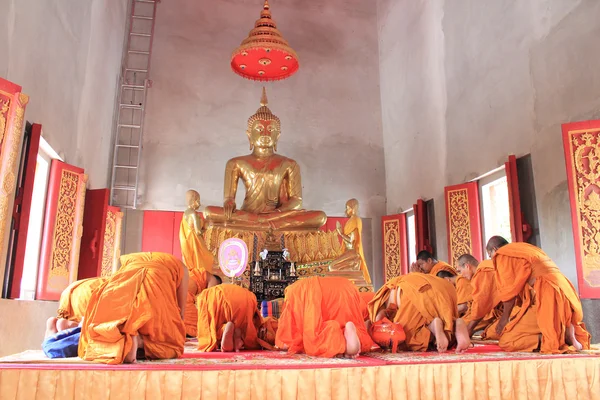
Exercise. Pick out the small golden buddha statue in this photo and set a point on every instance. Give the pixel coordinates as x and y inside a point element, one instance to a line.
<point>353,259</point>
<point>273,184</point>
<point>194,251</point>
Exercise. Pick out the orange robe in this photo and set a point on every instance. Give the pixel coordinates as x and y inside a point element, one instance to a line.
<point>442,266</point>
<point>194,252</point>
<point>75,298</point>
<point>556,301</point>
<point>316,312</point>
<point>225,303</point>
<point>140,298</point>
<point>354,225</point>
<point>423,297</point>
<point>485,304</point>
<point>198,276</point>
<point>464,291</point>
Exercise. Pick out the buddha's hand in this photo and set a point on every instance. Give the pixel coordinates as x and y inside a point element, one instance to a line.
<point>228,208</point>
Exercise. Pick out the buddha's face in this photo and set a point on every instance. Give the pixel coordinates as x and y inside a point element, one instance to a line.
<point>264,133</point>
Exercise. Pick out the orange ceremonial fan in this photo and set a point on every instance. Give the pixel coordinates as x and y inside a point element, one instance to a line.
<point>265,55</point>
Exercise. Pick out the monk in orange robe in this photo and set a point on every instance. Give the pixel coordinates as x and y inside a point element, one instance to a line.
<point>425,306</point>
<point>228,319</point>
<point>485,307</point>
<point>463,290</point>
<point>323,316</point>
<point>558,309</point>
<point>140,307</point>
<point>200,280</point>
<point>427,264</point>
<point>73,303</point>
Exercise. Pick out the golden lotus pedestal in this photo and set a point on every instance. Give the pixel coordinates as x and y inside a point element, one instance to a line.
<point>312,251</point>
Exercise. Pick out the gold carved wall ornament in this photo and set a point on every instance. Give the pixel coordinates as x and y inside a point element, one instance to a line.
<point>459,224</point>
<point>392,252</point>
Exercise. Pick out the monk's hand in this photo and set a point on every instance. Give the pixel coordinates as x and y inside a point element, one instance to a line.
<point>228,208</point>
<point>414,267</point>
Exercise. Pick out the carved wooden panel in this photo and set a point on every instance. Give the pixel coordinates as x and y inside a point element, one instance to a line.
<point>395,249</point>
<point>582,155</point>
<point>463,221</point>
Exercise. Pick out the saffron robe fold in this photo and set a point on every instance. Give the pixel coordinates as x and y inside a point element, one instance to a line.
<point>315,314</point>
<point>464,291</point>
<point>76,297</point>
<point>140,298</point>
<point>556,301</point>
<point>423,297</point>
<point>194,252</point>
<point>198,282</point>
<point>225,303</point>
<point>485,304</point>
<point>354,226</point>
<point>442,266</point>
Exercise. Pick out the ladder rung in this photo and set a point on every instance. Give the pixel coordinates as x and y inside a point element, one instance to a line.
<point>131,106</point>
<point>124,187</point>
<point>142,17</point>
<point>128,146</point>
<point>129,126</point>
<point>145,53</point>
<point>136,70</point>
<point>126,166</point>
<point>140,34</point>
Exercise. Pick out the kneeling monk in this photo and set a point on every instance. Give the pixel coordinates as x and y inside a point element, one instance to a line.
<point>73,303</point>
<point>557,306</point>
<point>425,306</point>
<point>323,317</point>
<point>228,319</point>
<point>140,307</point>
<point>200,280</point>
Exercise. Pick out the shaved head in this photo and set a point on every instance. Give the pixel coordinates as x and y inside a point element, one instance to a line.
<point>467,259</point>
<point>424,255</point>
<point>495,243</point>
<point>444,274</point>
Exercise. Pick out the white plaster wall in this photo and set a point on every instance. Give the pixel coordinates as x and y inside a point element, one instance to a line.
<point>330,110</point>
<point>513,72</point>
<point>66,54</point>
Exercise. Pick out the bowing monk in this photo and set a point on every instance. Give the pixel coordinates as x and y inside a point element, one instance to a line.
<point>463,290</point>
<point>140,307</point>
<point>427,264</point>
<point>559,315</point>
<point>485,306</point>
<point>199,281</point>
<point>228,319</point>
<point>324,317</point>
<point>425,306</point>
<point>73,303</point>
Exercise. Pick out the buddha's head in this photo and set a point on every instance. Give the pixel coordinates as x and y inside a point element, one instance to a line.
<point>264,127</point>
<point>351,207</point>
<point>192,199</point>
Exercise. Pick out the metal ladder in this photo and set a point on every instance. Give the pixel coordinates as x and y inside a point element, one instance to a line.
<point>133,92</point>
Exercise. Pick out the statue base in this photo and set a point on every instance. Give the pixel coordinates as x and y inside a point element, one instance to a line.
<point>312,251</point>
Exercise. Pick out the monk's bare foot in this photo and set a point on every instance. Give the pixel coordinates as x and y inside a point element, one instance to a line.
<point>441,340</point>
<point>571,339</point>
<point>462,336</point>
<point>131,356</point>
<point>238,342</point>
<point>64,324</point>
<point>227,339</point>
<point>50,327</point>
<point>352,342</point>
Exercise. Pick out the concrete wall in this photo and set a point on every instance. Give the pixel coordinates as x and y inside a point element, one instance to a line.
<point>330,110</point>
<point>67,56</point>
<point>511,73</point>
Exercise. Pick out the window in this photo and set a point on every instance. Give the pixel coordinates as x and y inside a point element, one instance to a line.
<point>36,220</point>
<point>495,206</point>
<point>411,237</point>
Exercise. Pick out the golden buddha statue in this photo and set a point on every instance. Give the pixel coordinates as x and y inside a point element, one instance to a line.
<point>273,184</point>
<point>353,259</point>
<point>194,252</point>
